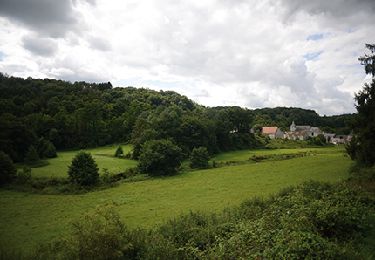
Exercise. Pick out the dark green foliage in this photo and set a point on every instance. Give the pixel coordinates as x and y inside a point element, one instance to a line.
<point>80,115</point>
<point>83,170</point>
<point>50,151</point>
<point>119,152</point>
<point>368,60</point>
<point>310,221</point>
<point>352,148</point>
<point>107,177</point>
<point>317,140</point>
<point>97,235</point>
<point>24,175</point>
<point>160,157</point>
<point>362,147</point>
<point>15,136</point>
<point>199,158</point>
<point>7,169</point>
<point>32,156</point>
<point>46,149</point>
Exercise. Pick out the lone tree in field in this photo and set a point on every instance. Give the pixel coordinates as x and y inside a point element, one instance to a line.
<point>83,170</point>
<point>7,169</point>
<point>362,146</point>
<point>119,152</point>
<point>199,158</point>
<point>160,157</point>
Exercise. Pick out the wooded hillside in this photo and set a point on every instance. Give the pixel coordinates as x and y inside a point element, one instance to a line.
<point>78,115</point>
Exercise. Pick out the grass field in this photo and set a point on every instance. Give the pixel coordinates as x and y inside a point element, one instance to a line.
<point>29,219</point>
<point>104,157</point>
<point>243,155</point>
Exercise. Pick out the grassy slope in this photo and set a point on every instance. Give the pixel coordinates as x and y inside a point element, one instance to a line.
<point>58,167</point>
<point>243,155</point>
<point>27,219</point>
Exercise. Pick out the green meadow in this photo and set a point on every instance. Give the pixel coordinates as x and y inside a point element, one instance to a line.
<point>104,156</point>
<point>244,155</point>
<point>30,219</point>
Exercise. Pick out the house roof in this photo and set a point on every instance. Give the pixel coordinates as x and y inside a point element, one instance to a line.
<point>303,127</point>
<point>269,129</point>
<point>315,129</point>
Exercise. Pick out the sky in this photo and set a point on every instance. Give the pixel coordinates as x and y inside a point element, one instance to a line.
<point>254,53</point>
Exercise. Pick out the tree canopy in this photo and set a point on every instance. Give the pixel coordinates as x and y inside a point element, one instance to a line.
<point>160,157</point>
<point>362,146</point>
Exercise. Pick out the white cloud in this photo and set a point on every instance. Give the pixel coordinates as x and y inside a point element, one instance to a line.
<point>254,54</point>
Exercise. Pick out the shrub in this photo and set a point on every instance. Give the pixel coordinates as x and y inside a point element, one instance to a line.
<point>50,150</point>
<point>32,155</point>
<point>107,177</point>
<point>83,170</point>
<point>7,169</point>
<point>119,152</point>
<point>199,158</point>
<point>160,157</point>
<point>96,235</point>
<point>24,175</point>
<point>318,140</point>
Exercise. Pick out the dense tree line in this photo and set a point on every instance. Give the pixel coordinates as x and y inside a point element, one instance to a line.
<point>48,114</point>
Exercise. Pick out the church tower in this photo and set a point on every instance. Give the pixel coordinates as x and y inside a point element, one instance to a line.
<point>293,127</point>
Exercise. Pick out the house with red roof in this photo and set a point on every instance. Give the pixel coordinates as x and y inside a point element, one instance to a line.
<point>272,132</point>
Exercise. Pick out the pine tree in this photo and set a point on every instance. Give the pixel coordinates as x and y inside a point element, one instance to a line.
<point>119,152</point>
<point>83,170</point>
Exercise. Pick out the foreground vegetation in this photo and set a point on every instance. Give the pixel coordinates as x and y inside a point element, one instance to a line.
<point>29,219</point>
<point>313,220</point>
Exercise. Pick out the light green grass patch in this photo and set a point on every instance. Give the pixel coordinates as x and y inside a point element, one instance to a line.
<point>104,157</point>
<point>29,219</point>
<point>244,155</point>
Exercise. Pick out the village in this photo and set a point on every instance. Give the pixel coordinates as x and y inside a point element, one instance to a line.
<point>303,132</point>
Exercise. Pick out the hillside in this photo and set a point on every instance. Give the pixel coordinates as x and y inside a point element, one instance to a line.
<point>41,112</point>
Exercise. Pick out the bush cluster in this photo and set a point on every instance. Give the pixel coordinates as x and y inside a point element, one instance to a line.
<point>199,158</point>
<point>160,157</point>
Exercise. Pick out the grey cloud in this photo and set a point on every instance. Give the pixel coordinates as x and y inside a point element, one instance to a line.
<point>39,45</point>
<point>70,69</point>
<point>339,8</point>
<point>99,43</point>
<point>51,18</point>
<point>78,75</point>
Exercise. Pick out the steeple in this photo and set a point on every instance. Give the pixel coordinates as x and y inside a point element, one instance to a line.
<point>293,127</point>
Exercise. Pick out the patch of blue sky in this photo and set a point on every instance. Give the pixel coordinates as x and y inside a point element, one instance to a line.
<point>2,55</point>
<point>315,37</point>
<point>312,55</point>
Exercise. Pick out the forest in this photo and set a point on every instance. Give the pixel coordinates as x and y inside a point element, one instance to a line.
<point>49,114</point>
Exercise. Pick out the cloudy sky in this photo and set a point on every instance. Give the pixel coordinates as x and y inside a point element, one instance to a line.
<point>251,53</point>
